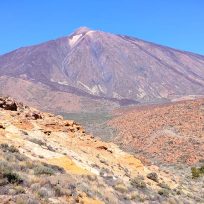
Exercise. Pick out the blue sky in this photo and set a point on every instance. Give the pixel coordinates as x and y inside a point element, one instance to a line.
<point>175,23</point>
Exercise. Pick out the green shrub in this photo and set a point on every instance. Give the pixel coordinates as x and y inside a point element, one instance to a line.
<point>9,157</point>
<point>163,192</point>
<point>4,146</point>
<point>13,149</point>
<point>42,192</point>
<point>43,170</point>
<point>12,177</point>
<point>138,182</point>
<point>59,191</point>
<point>202,169</point>
<point>7,148</point>
<point>4,167</point>
<point>20,157</point>
<point>55,168</point>
<point>197,172</point>
<point>37,141</point>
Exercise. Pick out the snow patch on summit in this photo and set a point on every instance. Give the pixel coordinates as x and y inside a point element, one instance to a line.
<point>89,33</point>
<point>74,39</point>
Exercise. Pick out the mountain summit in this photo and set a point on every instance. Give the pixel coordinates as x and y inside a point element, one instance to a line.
<point>99,65</point>
<point>82,29</point>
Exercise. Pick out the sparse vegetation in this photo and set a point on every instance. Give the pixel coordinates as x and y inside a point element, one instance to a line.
<point>43,192</point>
<point>197,172</point>
<point>8,148</point>
<point>43,170</point>
<point>4,167</point>
<point>163,192</point>
<point>37,141</point>
<point>138,182</point>
<point>12,177</point>
<point>15,173</point>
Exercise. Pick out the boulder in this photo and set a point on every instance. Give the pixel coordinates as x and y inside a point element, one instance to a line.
<point>8,104</point>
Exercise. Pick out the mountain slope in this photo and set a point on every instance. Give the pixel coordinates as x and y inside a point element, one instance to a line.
<point>96,64</point>
<point>167,134</point>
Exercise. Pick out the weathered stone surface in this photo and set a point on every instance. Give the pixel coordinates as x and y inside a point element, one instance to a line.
<point>8,104</point>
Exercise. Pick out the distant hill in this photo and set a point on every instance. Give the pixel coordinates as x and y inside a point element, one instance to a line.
<point>171,133</point>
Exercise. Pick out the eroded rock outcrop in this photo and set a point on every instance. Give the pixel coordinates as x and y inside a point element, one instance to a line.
<point>8,104</point>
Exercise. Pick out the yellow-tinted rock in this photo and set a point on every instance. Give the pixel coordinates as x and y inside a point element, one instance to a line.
<point>68,165</point>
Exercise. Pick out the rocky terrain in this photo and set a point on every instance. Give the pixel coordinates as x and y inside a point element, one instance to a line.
<point>170,133</point>
<point>46,159</point>
<point>170,136</point>
<point>91,68</point>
